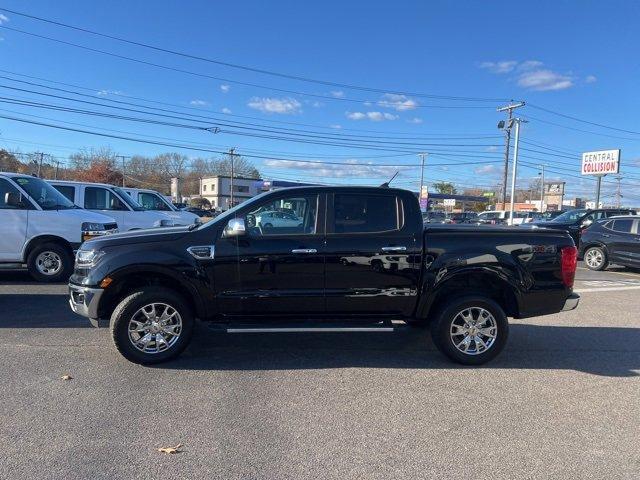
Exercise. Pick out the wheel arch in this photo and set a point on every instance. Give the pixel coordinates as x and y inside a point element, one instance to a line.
<point>46,238</point>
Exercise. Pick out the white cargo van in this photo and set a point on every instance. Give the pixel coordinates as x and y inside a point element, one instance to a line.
<point>42,228</point>
<point>112,201</point>
<point>152,200</point>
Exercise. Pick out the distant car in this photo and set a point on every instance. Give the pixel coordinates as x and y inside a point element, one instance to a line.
<point>155,201</point>
<point>528,217</point>
<point>201,212</point>
<point>433,217</point>
<point>271,219</point>
<point>616,240</point>
<point>462,217</point>
<point>575,221</point>
<point>550,215</point>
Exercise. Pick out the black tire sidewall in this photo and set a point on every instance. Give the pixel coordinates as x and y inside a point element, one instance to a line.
<point>65,256</point>
<point>130,304</point>
<point>441,325</point>
<point>605,262</point>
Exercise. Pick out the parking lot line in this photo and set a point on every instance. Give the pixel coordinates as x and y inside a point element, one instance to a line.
<point>628,274</point>
<point>606,289</point>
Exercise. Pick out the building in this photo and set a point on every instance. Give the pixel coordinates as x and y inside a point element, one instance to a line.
<point>218,190</point>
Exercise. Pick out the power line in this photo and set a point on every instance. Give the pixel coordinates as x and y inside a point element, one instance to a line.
<point>583,121</point>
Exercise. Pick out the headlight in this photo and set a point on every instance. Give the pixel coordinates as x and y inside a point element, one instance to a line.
<point>163,223</point>
<point>88,258</point>
<point>93,227</point>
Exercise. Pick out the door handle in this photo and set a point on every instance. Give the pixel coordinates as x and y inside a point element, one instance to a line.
<point>606,235</point>
<point>394,249</point>
<point>304,250</point>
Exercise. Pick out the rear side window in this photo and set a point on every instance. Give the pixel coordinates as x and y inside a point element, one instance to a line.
<point>68,191</point>
<point>97,198</point>
<point>355,213</point>
<point>623,225</point>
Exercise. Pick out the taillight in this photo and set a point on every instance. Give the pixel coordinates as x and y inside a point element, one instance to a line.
<point>568,265</point>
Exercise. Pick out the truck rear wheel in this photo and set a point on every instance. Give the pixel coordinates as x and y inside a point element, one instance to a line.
<point>470,330</point>
<point>50,262</point>
<point>151,325</point>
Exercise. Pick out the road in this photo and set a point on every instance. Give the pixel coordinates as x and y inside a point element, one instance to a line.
<point>562,401</point>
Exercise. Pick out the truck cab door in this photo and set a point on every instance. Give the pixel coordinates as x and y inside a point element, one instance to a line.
<point>372,254</point>
<point>274,269</point>
<point>14,217</point>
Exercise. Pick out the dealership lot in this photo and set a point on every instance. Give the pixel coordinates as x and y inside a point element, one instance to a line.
<point>561,401</point>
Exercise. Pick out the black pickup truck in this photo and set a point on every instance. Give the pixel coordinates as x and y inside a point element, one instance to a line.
<point>322,259</point>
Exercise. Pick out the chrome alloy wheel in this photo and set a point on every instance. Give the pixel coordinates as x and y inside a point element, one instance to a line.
<point>594,258</point>
<point>155,328</point>
<point>49,263</point>
<point>473,331</point>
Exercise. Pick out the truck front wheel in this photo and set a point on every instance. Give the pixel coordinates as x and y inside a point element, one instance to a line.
<point>151,325</point>
<point>470,330</point>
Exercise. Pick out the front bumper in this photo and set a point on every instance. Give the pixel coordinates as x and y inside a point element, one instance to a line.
<point>571,303</point>
<point>85,301</point>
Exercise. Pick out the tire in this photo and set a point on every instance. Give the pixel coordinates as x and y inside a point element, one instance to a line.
<point>125,334</point>
<point>50,262</point>
<point>452,313</point>
<point>595,258</point>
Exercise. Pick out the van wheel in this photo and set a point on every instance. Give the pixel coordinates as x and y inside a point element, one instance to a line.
<point>595,258</point>
<point>470,330</point>
<point>50,262</point>
<point>151,325</point>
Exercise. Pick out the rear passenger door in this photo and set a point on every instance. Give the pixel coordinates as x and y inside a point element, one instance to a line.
<point>371,254</point>
<point>624,243</point>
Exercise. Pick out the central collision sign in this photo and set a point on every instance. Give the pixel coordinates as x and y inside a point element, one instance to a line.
<point>601,163</point>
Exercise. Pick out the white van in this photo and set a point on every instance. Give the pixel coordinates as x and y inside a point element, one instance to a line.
<point>152,200</point>
<point>42,228</point>
<point>501,217</point>
<point>112,201</point>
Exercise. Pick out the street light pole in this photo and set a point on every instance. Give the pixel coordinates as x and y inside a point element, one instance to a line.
<point>515,169</point>
<point>422,156</point>
<point>507,130</point>
<point>542,191</point>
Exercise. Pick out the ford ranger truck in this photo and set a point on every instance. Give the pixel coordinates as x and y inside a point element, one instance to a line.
<point>355,259</point>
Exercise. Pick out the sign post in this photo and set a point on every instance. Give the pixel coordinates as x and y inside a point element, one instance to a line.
<point>599,164</point>
<point>424,198</point>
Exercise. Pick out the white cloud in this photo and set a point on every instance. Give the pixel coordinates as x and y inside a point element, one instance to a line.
<point>504,66</point>
<point>337,93</point>
<point>336,126</point>
<point>225,88</point>
<point>492,148</point>
<point>544,80</point>
<point>397,102</point>
<point>317,104</point>
<point>373,116</point>
<point>104,93</point>
<point>199,103</point>
<point>284,106</point>
<point>530,64</point>
<point>3,19</point>
<point>415,120</point>
<point>350,169</point>
<point>591,79</point>
<point>486,170</point>
<point>226,110</point>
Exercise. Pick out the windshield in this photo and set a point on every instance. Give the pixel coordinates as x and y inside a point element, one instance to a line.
<point>570,216</point>
<point>47,197</point>
<point>126,198</point>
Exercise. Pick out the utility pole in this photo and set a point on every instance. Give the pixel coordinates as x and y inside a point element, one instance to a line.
<point>55,176</point>
<point>123,158</point>
<point>231,155</point>
<point>40,162</point>
<point>515,169</point>
<point>618,192</point>
<point>422,156</point>
<point>506,126</point>
<point>542,191</point>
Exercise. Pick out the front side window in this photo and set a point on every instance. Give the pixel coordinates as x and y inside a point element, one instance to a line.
<point>285,216</point>
<point>99,198</point>
<point>6,191</point>
<point>151,201</point>
<point>354,213</point>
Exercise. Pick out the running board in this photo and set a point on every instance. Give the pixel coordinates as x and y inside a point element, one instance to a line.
<point>317,327</point>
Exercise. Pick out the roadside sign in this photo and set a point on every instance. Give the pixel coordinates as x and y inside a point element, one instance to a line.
<point>424,193</point>
<point>601,162</point>
<point>488,194</point>
<point>449,202</point>
<point>424,204</point>
<point>554,188</point>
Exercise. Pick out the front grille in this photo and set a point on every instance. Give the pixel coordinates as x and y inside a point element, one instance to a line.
<point>110,226</point>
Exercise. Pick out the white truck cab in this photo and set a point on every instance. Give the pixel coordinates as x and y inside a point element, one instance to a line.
<point>39,227</point>
<point>155,201</point>
<point>112,201</point>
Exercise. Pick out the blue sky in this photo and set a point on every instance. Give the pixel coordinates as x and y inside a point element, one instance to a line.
<point>577,58</point>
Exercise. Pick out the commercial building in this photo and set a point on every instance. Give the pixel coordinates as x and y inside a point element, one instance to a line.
<point>218,190</point>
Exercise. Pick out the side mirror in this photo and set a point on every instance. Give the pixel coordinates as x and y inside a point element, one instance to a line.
<point>586,223</point>
<point>13,199</point>
<point>235,228</point>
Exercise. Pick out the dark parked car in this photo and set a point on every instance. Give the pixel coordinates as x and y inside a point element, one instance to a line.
<point>575,221</point>
<point>611,241</point>
<point>433,217</point>
<point>201,212</point>
<point>462,217</point>
<point>359,258</point>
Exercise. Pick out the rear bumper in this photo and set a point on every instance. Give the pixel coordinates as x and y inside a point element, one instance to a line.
<point>85,301</point>
<point>571,303</point>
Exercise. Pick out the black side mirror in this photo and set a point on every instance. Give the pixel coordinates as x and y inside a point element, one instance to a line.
<point>13,199</point>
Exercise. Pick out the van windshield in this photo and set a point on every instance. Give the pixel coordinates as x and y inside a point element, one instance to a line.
<point>47,197</point>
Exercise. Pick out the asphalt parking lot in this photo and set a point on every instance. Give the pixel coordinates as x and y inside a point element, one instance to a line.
<point>562,401</point>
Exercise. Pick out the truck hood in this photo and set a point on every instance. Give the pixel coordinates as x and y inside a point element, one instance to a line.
<point>82,215</point>
<point>159,234</point>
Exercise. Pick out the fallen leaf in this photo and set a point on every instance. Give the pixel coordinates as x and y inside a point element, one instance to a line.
<point>66,377</point>
<point>171,450</point>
